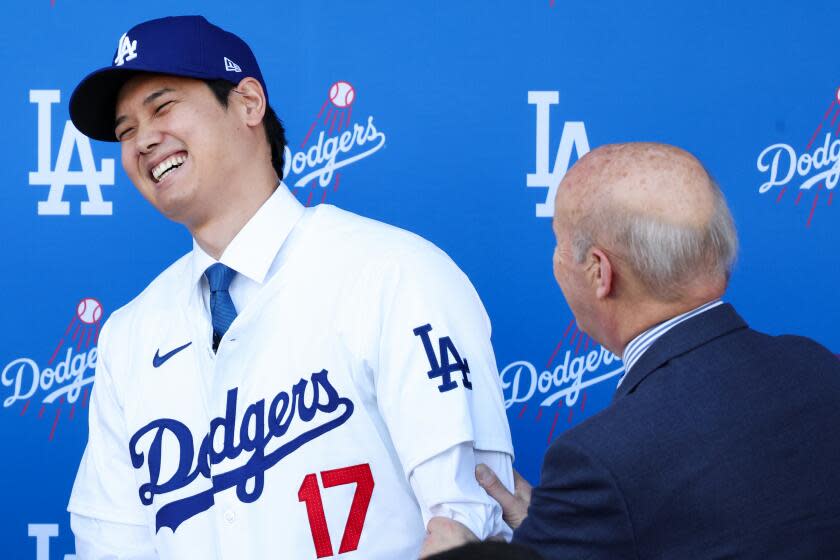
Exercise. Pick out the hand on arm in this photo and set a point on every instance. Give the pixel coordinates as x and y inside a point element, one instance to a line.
<point>514,506</point>
<point>445,486</point>
<point>442,534</point>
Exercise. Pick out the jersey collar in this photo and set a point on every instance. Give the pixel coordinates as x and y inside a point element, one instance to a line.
<point>255,247</point>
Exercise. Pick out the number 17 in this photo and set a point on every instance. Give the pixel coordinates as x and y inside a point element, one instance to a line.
<point>310,494</point>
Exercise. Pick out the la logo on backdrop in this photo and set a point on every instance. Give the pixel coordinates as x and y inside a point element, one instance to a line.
<point>814,173</point>
<point>332,142</point>
<point>59,176</point>
<point>46,389</point>
<point>572,138</point>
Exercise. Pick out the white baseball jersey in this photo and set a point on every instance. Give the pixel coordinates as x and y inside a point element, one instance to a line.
<point>365,353</point>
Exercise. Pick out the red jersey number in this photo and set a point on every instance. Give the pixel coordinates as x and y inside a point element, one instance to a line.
<point>310,494</point>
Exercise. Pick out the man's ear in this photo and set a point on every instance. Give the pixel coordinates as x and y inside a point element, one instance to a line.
<point>250,98</point>
<point>599,271</point>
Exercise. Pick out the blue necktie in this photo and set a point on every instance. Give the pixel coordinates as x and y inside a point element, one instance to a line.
<point>222,309</point>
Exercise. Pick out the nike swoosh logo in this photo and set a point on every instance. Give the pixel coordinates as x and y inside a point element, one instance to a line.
<point>159,360</point>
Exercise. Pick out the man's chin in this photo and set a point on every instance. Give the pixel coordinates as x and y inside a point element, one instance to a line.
<point>174,209</point>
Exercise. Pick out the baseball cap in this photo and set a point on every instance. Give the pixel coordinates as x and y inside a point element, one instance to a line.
<point>188,46</point>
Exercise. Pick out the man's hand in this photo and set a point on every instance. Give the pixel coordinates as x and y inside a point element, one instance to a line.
<point>443,533</point>
<point>514,506</point>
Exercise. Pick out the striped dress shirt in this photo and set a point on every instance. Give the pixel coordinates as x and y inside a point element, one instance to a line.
<point>641,343</point>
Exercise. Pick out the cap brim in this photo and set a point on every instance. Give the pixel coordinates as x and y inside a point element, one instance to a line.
<point>94,101</point>
<point>93,104</point>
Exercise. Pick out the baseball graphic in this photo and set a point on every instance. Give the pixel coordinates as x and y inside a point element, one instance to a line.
<point>89,311</point>
<point>342,94</point>
<point>837,95</point>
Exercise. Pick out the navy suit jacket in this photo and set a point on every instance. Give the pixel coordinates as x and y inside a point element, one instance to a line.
<point>721,442</point>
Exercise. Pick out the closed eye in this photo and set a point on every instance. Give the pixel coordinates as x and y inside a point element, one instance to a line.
<point>163,106</point>
<point>123,134</point>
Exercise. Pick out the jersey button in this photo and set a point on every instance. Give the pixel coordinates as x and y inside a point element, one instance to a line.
<point>230,516</point>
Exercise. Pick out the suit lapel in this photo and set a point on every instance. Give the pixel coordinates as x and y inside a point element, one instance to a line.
<point>683,338</point>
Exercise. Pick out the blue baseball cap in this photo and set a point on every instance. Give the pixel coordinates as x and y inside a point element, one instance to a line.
<point>188,46</point>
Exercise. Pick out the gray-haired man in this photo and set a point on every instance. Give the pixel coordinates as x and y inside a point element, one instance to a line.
<point>721,441</point>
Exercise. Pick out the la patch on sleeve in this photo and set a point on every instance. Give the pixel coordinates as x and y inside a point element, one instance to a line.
<point>450,360</point>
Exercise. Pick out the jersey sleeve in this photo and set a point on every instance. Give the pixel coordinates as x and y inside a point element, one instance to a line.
<point>445,486</point>
<point>436,379</point>
<point>104,488</point>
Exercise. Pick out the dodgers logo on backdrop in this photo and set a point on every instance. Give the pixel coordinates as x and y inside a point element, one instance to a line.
<point>59,177</point>
<point>564,380</point>
<point>332,142</point>
<point>572,138</point>
<point>65,378</point>
<point>815,171</point>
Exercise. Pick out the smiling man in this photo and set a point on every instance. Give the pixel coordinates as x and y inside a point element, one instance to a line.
<point>305,382</point>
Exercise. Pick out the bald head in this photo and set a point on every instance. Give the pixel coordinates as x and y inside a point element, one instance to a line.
<point>656,208</point>
<point>653,180</point>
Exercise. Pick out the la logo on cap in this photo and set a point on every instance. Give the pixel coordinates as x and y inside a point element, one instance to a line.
<point>126,51</point>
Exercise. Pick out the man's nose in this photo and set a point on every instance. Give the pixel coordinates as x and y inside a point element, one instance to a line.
<point>148,137</point>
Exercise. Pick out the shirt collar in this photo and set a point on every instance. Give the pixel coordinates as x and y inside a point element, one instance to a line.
<point>636,347</point>
<point>254,248</point>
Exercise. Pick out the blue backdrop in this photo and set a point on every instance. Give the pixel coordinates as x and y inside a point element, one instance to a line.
<point>481,105</point>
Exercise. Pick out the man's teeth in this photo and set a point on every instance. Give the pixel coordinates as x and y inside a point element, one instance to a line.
<point>167,165</point>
